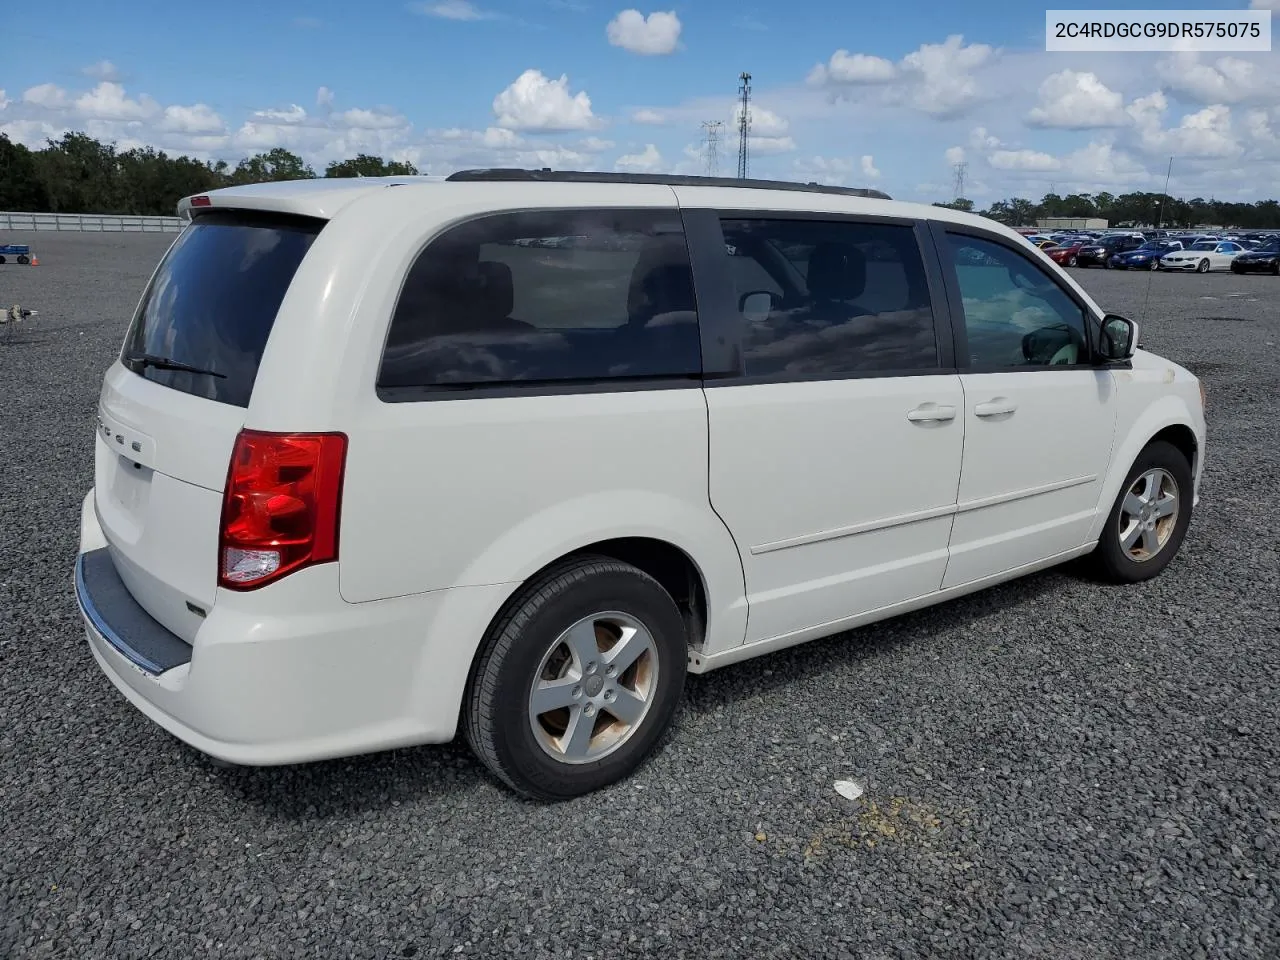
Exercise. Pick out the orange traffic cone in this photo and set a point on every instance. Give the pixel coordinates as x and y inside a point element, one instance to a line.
<point>35,261</point>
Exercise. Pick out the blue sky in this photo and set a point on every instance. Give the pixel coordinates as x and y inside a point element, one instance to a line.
<point>892,100</point>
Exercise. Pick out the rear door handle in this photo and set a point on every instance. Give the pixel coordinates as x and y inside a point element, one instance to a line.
<point>996,407</point>
<point>931,411</point>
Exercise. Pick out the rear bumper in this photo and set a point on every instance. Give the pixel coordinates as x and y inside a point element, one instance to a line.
<point>291,673</point>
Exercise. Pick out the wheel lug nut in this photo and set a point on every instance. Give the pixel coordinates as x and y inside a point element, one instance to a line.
<point>577,693</point>
<point>592,667</point>
<point>590,710</point>
<point>610,670</point>
<point>609,695</point>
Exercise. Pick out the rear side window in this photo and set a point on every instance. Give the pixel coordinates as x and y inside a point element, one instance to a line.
<point>552,297</point>
<point>213,302</point>
<point>831,297</point>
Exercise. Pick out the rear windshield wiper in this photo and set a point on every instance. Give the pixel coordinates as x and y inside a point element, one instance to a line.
<point>164,363</point>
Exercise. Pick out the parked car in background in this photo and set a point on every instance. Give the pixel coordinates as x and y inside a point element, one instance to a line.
<point>1146,257</point>
<point>1097,254</point>
<point>1064,254</point>
<point>1203,257</point>
<point>1265,258</point>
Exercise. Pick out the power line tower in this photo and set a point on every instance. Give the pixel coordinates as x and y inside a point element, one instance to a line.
<point>711,146</point>
<point>744,123</point>
<point>961,168</point>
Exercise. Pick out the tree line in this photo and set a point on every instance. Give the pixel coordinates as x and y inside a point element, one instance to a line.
<point>79,174</point>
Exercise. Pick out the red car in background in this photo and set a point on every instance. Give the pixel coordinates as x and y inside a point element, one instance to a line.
<point>1064,255</point>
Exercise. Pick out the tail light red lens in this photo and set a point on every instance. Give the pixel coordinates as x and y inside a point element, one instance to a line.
<point>281,505</point>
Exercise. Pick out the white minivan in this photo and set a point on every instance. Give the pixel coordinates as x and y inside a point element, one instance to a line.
<point>513,452</point>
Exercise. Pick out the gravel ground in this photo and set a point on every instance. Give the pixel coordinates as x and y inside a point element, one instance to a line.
<point>1055,769</point>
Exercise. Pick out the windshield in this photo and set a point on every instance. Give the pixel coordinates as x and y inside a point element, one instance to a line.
<point>213,301</point>
<point>1270,246</point>
<point>1155,246</point>
<point>1205,245</point>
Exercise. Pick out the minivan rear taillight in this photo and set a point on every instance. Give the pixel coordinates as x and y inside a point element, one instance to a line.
<point>281,504</point>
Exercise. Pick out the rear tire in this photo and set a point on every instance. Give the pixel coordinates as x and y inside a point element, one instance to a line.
<point>23,259</point>
<point>549,637</point>
<point>1138,541</point>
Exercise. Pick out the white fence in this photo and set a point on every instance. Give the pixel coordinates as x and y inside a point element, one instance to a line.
<point>87,223</point>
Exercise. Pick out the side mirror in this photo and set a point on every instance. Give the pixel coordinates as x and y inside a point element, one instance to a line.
<point>1119,338</point>
<point>757,306</point>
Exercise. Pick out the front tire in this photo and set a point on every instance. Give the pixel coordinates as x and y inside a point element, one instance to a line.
<point>1202,266</point>
<point>578,680</point>
<point>1149,520</point>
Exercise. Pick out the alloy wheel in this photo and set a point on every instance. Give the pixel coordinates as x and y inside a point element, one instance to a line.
<point>594,687</point>
<point>1149,514</point>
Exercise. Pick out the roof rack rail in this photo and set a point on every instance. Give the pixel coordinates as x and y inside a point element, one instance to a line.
<point>672,180</point>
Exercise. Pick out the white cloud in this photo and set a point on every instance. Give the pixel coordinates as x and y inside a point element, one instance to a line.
<point>869,166</point>
<point>536,102</point>
<point>1206,133</point>
<point>944,70</point>
<point>195,119</point>
<point>764,122</point>
<point>32,133</point>
<point>455,10</point>
<point>771,145</point>
<point>595,145</point>
<point>852,68</point>
<point>832,171</point>
<point>370,119</point>
<point>655,35</point>
<point>107,101</point>
<point>981,140</point>
<point>1077,101</point>
<point>937,79</point>
<point>955,155</point>
<point>47,95</point>
<point>646,161</point>
<point>1023,160</point>
<point>4,101</point>
<point>291,114</point>
<point>1225,80</point>
<point>324,97</point>
<point>1257,124</point>
<point>649,117</point>
<point>1103,163</point>
<point>102,70</point>
<point>499,138</point>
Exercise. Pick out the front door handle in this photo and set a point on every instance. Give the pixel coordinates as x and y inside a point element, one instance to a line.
<point>931,411</point>
<point>995,408</point>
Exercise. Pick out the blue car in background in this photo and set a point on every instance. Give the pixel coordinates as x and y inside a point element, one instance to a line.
<point>1145,257</point>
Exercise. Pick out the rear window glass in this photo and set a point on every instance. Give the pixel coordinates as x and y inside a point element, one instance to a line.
<point>213,302</point>
<point>552,297</point>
